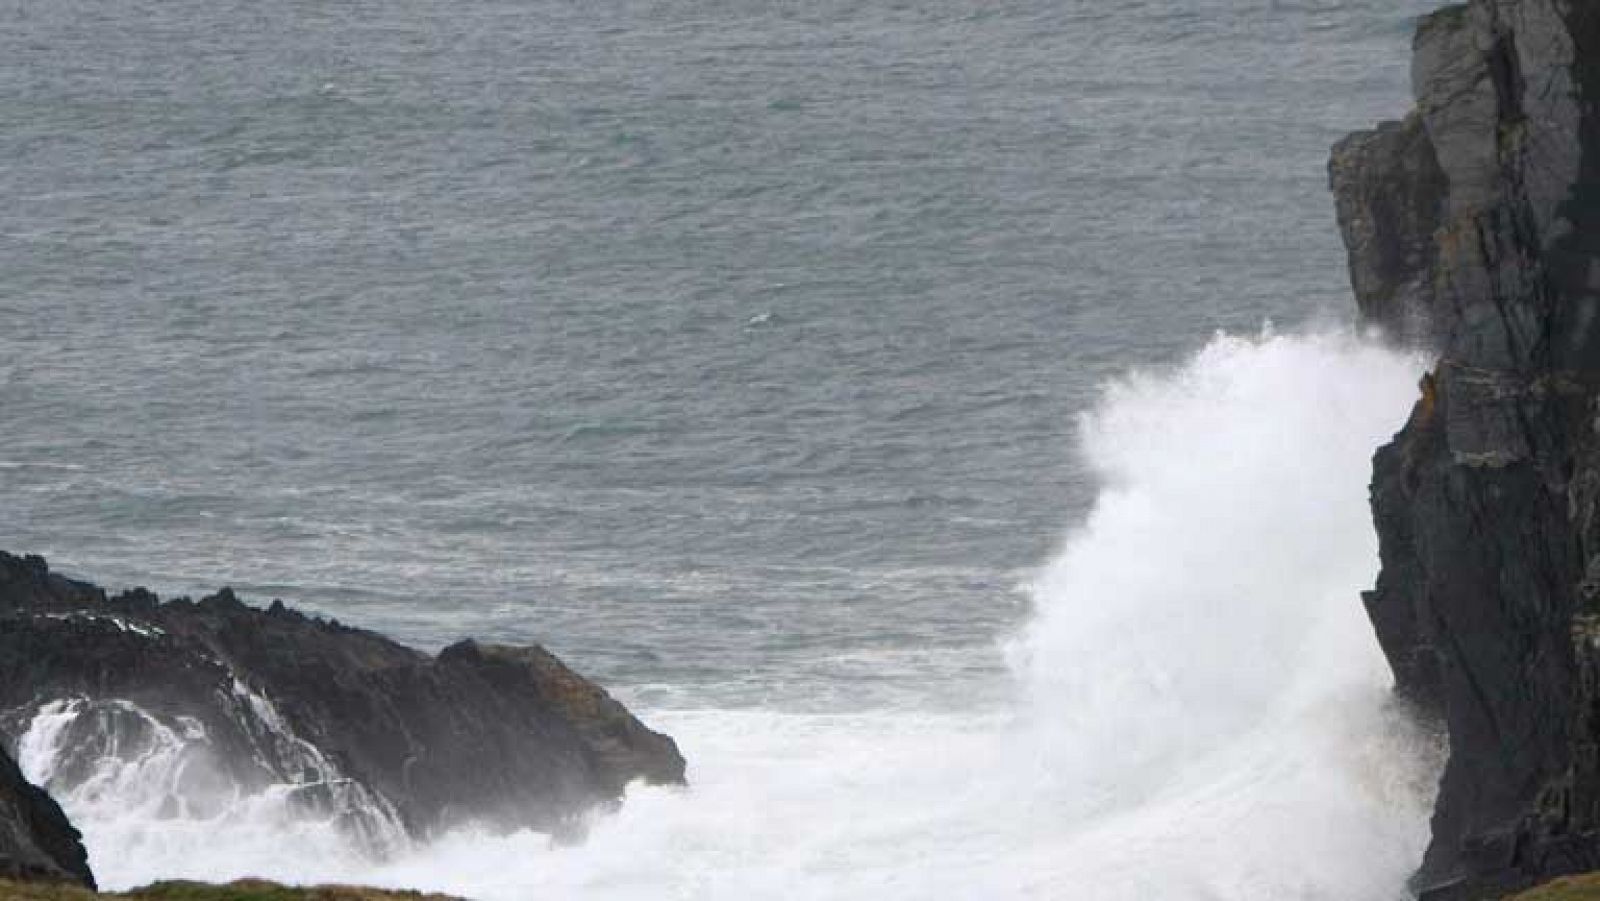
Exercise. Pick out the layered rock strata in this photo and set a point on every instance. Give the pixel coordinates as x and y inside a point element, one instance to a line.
<point>1473,228</point>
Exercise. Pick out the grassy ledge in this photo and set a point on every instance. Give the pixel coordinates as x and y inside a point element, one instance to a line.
<point>1568,888</point>
<point>243,890</point>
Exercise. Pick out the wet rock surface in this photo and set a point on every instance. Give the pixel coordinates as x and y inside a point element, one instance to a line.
<point>393,742</point>
<point>1474,229</point>
<point>36,841</point>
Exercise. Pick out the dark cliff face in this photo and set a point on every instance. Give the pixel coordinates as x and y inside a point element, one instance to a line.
<point>391,741</point>
<point>1474,229</point>
<point>36,841</point>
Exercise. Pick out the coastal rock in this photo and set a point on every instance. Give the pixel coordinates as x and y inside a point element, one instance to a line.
<point>392,742</point>
<point>1390,195</point>
<point>1473,229</point>
<point>36,841</point>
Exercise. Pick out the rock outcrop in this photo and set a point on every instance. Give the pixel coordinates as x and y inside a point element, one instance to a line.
<point>36,841</point>
<point>388,741</point>
<point>1474,228</point>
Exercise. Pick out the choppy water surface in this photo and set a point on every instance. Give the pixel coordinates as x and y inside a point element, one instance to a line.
<point>736,352</point>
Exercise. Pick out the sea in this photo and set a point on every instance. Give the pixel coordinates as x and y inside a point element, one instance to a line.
<point>946,419</point>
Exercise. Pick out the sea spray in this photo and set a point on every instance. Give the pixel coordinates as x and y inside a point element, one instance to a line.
<point>152,798</point>
<point>1202,712</point>
<point>1204,691</point>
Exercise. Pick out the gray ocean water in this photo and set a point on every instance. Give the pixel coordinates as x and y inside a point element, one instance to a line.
<point>733,350</point>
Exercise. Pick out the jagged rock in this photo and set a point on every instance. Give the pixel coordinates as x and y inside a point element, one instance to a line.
<point>36,841</point>
<point>1474,228</point>
<point>1390,195</point>
<point>385,737</point>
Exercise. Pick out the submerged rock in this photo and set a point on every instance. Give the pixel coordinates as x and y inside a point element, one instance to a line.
<point>388,741</point>
<point>1474,229</point>
<point>36,841</point>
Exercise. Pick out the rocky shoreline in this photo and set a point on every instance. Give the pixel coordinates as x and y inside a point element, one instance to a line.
<point>1473,228</point>
<point>389,743</point>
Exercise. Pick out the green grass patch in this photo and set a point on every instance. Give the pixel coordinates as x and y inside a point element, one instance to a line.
<point>243,890</point>
<point>1568,888</point>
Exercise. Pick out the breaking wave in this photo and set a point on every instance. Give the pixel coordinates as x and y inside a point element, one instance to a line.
<point>1201,711</point>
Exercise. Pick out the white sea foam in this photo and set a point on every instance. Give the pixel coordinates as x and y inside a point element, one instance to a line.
<point>1202,711</point>
<point>152,802</point>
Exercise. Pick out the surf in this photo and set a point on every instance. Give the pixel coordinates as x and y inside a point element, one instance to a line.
<point>1199,709</point>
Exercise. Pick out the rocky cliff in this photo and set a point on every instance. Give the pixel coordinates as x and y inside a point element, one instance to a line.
<point>1473,228</point>
<point>36,841</point>
<point>389,742</point>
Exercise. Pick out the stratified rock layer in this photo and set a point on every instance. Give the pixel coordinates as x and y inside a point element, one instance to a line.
<point>387,738</point>
<point>36,841</point>
<point>1474,228</point>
